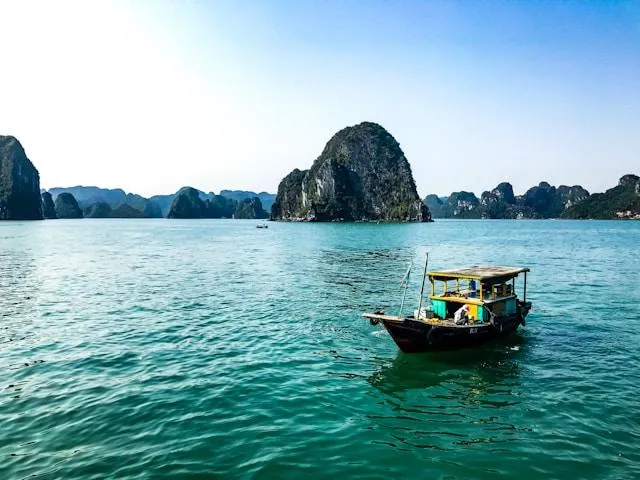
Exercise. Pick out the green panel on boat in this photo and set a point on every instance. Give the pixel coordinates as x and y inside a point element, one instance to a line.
<point>510,307</point>
<point>439,308</point>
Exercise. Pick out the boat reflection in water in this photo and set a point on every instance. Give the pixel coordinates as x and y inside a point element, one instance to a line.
<point>442,401</point>
<point>494,364</point>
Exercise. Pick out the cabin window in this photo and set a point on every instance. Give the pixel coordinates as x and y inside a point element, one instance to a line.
<point>452,307</point>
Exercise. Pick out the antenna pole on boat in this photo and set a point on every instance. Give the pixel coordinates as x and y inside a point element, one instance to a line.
<point>406,285</point>
<point>424,276</point>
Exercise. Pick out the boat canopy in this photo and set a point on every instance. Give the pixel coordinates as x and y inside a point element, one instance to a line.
<point>483,273</point>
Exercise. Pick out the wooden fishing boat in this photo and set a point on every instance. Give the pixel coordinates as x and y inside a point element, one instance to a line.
<point>467,307</point>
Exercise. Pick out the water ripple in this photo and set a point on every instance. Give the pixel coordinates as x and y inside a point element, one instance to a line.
<point>208,349</point>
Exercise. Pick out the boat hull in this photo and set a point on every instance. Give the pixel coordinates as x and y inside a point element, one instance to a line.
<point>414,336</point>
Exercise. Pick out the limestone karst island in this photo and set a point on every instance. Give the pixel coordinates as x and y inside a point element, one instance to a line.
<point>362,174</point>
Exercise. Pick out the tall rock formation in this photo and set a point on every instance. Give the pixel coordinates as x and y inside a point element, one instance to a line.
<point>48,208</point>
<point>461,205</point>
<point>19,183</point>
<point>362,174</point>
<point>67,206</point>
<point>542,201</point>
<point>499,202</point>
<point>289,197</point>
<point>187,204</point>
<point>220,207</point>
<point>164,202</point>
<point>570,196</point>
<point>435,205</point>
<point>250,208</point>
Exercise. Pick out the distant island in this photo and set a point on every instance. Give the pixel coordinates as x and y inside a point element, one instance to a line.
<point>361,175</point>
<point>542,201</point>
<point>98,202</point>
<point>22,199</point>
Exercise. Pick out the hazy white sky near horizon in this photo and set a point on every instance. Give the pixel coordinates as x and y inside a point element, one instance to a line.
<point>150,96</point>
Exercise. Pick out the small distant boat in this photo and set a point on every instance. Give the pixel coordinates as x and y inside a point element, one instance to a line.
<point>473,306</point>
<point>262,225</point>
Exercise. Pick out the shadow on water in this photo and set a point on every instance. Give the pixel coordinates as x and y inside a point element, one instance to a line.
<point>442,401</point>
<point>492,364</point>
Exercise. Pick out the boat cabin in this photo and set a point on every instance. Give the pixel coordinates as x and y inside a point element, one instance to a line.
<point>486,290</point>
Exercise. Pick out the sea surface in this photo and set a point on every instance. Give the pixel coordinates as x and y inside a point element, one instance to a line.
<point>150,349</point>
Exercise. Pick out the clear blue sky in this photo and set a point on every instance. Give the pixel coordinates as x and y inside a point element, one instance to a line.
<point>150,96</point>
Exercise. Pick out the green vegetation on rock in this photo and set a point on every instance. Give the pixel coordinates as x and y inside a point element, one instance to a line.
<point>361,175</point>
<point>621,201</point>
<point>461,205</point>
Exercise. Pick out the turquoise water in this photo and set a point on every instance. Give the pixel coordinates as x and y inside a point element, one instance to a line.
<point>204,349</point>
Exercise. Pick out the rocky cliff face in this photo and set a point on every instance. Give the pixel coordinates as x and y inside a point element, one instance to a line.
<point>67,206</point>
<point>499,202</point>
<point>19,183</point>
<point>289,197</point>
<point>461,205</point>
<point>48,208</point>
<point>362,174</point>
<point>250,208</point>
<point>569,196</point>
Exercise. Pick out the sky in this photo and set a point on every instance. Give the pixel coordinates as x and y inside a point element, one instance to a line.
<point>150,96</point>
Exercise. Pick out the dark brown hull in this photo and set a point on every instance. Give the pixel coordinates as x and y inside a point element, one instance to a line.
<point>414,336</point>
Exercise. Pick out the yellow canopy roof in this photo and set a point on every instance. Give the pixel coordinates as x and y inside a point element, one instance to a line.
<point>478,272</point>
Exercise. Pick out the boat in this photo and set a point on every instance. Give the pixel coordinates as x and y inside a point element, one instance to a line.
<point>466,307</point>
<point>262,225</point>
